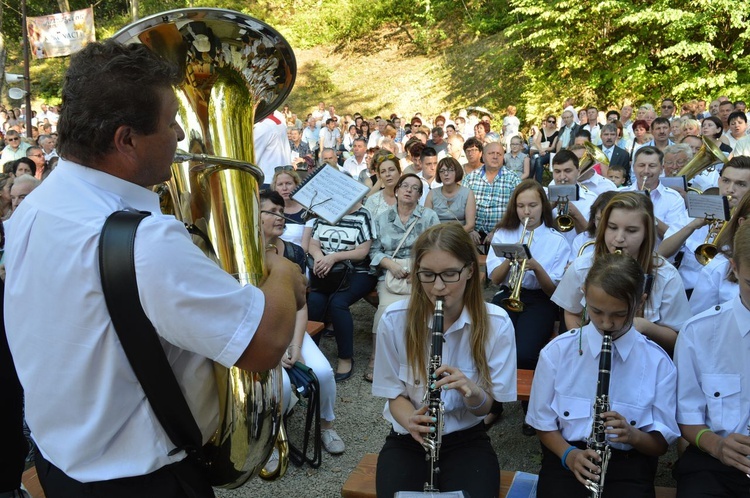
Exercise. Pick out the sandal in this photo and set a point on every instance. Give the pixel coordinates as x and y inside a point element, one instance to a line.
<point>368,376</point>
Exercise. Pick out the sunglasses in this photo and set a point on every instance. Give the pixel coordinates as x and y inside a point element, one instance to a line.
<point>552,121</point>
<point>288,167</point>
<point>13,139</point>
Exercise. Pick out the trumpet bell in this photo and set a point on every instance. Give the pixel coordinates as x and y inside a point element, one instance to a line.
<point>709,154</point>
<point>511,304</point>
<point>565,223</point>
<point>591,156</point>
<point>704,253</point>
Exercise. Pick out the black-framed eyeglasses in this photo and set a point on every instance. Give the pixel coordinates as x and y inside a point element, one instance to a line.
<point>447,276</point>
<point>288,167</point>
<point>445,171</point>
<point>273,213</point>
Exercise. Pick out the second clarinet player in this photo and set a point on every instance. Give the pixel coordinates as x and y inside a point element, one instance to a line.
<point>634,417</point>
<point>477,366</point>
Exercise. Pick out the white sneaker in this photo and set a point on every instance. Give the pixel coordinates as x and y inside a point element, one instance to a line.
<point>332,442</point>
<point>272,464</point>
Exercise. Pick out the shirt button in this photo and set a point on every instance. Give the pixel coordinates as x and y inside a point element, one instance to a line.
<point>632,422</point>
<point>416,382</point>
<point>717,394</point>
<point>566,413</point>
<point>718,308</point>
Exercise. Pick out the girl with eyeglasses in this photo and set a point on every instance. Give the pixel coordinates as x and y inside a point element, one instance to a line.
<point>478,366</point>
<point>398,228</point>
<point>452,201</point>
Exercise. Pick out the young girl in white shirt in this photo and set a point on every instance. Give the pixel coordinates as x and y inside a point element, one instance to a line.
<point>639,421</point>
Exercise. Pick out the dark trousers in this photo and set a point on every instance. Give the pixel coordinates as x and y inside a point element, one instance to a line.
<point>467,463</point>
<point>335,307</point>
<point>699,475</point>
<point>179,480</point>
<point>13,444</point>
<point>630,474</point>
<point>533,326</point>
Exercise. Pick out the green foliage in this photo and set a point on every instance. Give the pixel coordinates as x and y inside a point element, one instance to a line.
<point>603,53</point>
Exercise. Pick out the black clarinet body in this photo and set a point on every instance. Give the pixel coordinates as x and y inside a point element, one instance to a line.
<point>598,439</point>
<point>433,398</point>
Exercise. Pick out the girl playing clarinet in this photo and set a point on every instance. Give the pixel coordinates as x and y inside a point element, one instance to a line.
<point>478,366</point>
<point>637,393</point>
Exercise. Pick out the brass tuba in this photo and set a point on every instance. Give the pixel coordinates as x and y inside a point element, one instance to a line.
<point>590,157</point>
<point>708,155</point>
<point>237,70</point>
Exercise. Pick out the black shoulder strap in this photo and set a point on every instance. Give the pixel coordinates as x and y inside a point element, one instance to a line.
<point>137,334</point>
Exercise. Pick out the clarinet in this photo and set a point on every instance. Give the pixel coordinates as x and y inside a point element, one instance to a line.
<point>598,439</point>
<point>435,407</point>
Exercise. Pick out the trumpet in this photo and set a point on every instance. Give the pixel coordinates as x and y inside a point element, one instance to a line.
<point>565,222</point>
<point>643,186</point>
<point>517,269</point>
<point>707,251</point>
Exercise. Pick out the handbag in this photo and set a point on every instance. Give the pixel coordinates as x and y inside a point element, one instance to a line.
<point>393,284</point>
<point>307,387</point>
<point>336,280</point>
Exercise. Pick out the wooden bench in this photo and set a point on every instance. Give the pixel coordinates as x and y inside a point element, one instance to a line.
<point>31,483</point>
<point>523,383</point>
<point>361,482</point>
<point>314,328</point>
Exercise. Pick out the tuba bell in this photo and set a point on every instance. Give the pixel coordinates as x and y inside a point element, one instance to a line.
<point>590,157</point>
<point>708,155</point>
<point>237,70</point>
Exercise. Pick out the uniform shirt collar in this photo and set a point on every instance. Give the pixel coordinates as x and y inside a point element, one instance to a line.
<point>622,346</point>
<point>741,316</point>
<point>133,195</point>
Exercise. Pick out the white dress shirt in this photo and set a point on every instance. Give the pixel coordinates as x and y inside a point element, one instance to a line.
<point>549,248</point>
<point>578,242</point>
<point>667,304</point>
<point>271,144</point>
<point>669,206</point>
<point>598,184</point>
<point>84,405</point>
<point>642,386</point>
<point>394,377</point>
<point>354,167</point>
<point>713,288</point>
<point>713,369</point>
<point>689,268</point>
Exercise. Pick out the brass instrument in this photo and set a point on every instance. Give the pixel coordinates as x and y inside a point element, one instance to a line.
<point>433,398</point>
<point>565,222</point>
<point>707,251</point>
<point>585,246</point>
<point>237,71</point>
<point>515,278</point>
<point>708,155</point>
<point>590,157</point>
<point>643,186</point>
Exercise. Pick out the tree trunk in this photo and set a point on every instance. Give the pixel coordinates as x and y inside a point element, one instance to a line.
<point>3,52</point>
<point>64,5</point>
<point>134,6</point>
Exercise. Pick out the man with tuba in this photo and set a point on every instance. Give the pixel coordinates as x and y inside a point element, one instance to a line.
<point>734,182</point>
<point>96,432</point>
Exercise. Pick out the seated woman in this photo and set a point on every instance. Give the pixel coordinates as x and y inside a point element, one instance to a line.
<point>340,276</point>
<point>516,160</point>
<point>397,228</point>
<point>6,182</point>
<point>285,180</point>
<point>627,225</point>
<point>302,347</point>
<point>383,193</point>
<point>588,236</point>
<point>638,422</point>
<point>24,166</point>
<point>478,366</point>
<point>452,201</point>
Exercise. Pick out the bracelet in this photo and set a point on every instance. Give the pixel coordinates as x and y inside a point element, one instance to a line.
<point>295,346</point>
<point>698,438</point>
<point>484,400</point>
<point>565,456</point>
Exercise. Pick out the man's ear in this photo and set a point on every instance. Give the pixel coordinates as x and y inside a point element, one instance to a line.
<point>124,140</point>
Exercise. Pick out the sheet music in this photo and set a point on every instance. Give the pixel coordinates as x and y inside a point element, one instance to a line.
<point>562,192</point>
<point>674,182</point>
<point>707,206</point>
<point>329,193</point>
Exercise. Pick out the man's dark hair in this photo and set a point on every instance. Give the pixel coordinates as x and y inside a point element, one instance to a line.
<point>564,156</point>
<point>610,113</point>
<point>427,152</point>
<point>437,131</point>
<point>649,151</point>
<point>473,142</point>
<point>739,102</point>
<point>659,120</point>
<point>109,85</point>
<point>329,121</point>
<point>584,133</point>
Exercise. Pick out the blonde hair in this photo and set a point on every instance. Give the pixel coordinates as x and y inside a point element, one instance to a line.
<point>451,238</point>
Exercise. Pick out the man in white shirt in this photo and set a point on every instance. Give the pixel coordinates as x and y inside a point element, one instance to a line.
<point>667,109</point>
<point>660,128</point>
<point>271,144</point>
<point>568,131</point>
<point>669,207</point>
<point>15,148</point>
<point>357,162</point>
<point>47,143</point>
<point>592,125</point>
<point>330,136</point>
<point>429,161</point>
<point>377,135</point>
<point>311,135</point>
<point>96,432</point>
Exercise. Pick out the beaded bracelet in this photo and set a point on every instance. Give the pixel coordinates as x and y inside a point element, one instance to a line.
<point>565,455</point>
<point>698,438</point>
<point>484,400</point>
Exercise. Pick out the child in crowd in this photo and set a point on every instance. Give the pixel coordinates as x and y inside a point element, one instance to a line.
<point>640,420</point>
<point>617,173</point>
